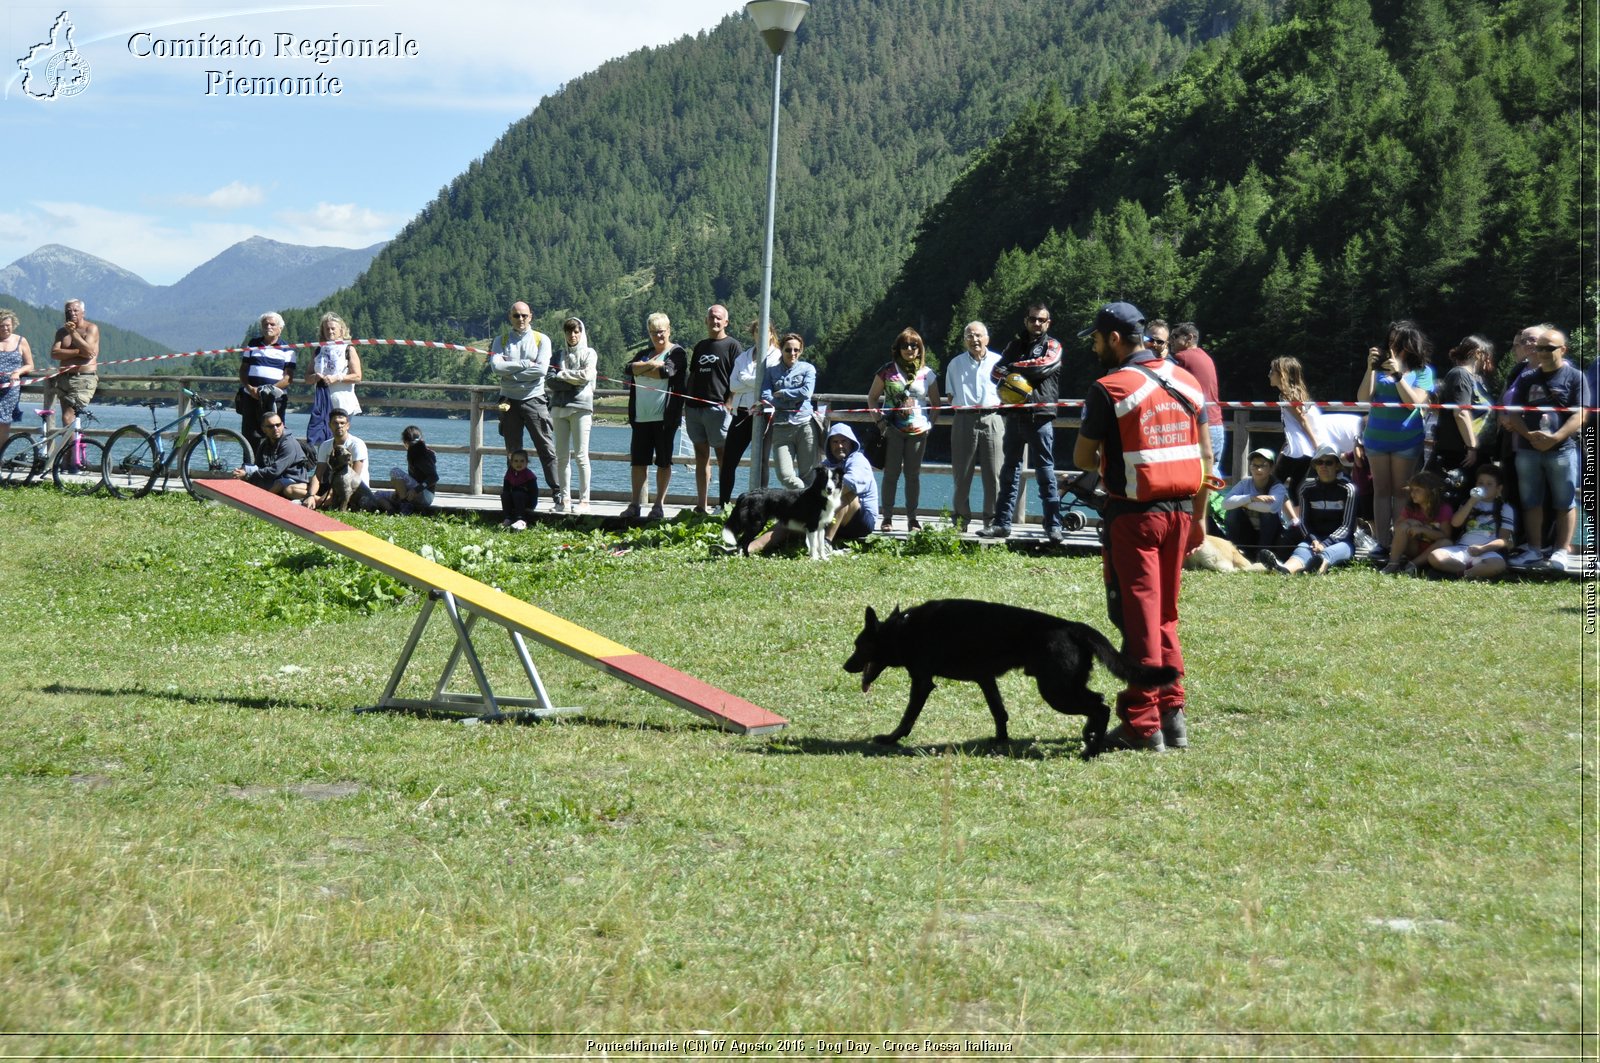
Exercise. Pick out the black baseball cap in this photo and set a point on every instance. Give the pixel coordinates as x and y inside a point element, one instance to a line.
<point>1116,317</point>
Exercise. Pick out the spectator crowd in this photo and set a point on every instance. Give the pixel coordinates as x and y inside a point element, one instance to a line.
<point>1443,473</point>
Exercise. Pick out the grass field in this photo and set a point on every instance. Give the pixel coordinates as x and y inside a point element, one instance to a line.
<point>1380,843</point>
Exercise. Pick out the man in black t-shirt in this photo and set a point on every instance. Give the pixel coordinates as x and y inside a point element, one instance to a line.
<point>705,412</point>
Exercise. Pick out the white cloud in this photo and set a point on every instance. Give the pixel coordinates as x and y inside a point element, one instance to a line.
<point>183,176</point>
<point>231,196</point>
<point>338,224</point>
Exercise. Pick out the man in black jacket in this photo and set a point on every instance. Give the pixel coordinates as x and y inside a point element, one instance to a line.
<point>283,467</point>
<point>1035,355</point>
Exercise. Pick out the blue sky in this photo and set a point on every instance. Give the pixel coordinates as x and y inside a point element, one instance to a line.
<point>144,168</point>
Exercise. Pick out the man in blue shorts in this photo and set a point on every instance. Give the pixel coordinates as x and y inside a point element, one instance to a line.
<point>1548,448</point>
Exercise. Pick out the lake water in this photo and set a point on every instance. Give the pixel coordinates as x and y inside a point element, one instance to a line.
<point>383,434</point>
<point>608,475</point>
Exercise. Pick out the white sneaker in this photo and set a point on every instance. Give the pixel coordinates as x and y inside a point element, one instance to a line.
<point>1558,560</point>
<point>1528,555</point>
<point>519,525</point>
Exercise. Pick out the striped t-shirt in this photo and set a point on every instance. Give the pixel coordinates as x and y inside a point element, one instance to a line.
<point>267,365</point>
<point>1392,430</point>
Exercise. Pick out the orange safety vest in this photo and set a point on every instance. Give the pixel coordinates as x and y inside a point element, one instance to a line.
<point>1160,437</point>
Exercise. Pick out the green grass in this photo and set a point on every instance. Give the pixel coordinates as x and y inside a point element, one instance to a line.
<point>1375,846</point>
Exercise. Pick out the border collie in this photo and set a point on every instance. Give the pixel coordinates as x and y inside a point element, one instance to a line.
<point>810,510</point>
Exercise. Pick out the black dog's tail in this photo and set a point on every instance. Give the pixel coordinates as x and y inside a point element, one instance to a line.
<point>1143,675</point>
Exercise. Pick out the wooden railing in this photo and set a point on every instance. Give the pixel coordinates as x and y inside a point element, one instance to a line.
<point>480,406</point>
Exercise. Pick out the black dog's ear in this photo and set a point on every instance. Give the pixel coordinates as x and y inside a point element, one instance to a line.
<point>898,612</point>
<point>872,618</point>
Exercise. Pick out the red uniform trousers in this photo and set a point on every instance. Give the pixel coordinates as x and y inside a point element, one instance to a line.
<point>1144,558</point>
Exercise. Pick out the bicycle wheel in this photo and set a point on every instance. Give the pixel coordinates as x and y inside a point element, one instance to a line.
<point>131,462</point>
<point>79,477</point>
<point>19,461</point>
<point>213,456</point>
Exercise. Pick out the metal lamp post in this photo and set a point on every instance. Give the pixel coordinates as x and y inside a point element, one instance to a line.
<point>778,21</point>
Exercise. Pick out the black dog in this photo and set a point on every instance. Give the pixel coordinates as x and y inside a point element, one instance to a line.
<point>809,510</point>
<point>954,638</point>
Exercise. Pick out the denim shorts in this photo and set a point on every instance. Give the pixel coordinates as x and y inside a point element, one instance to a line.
<point>1558,468</point>
<point>1411,454</point>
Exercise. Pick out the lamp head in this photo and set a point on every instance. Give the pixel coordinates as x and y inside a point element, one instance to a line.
<point>778,20</point>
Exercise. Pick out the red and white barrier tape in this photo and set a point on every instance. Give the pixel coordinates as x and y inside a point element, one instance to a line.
<point>1229,405</point>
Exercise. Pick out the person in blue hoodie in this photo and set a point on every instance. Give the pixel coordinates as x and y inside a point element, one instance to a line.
<point>858,511</point>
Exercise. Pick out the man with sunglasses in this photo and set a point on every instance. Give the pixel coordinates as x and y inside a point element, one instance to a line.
<point>521,358</point>
<point>1323,515</point>
<point>282,466</point>
<point>1035,355</point>
<point>1547,449</point>
<point>1144,433</point>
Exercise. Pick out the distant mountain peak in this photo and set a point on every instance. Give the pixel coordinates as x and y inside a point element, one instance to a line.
<point>211,306</point>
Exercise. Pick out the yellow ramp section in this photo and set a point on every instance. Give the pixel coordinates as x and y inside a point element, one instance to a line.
<point>482,598</point>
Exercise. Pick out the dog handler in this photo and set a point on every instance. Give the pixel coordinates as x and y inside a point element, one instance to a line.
<point>1144,432</point>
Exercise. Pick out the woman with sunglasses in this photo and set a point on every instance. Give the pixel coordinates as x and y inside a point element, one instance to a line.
<point>788,390</point>
<point>1324,514</point>
<point>905,397</point>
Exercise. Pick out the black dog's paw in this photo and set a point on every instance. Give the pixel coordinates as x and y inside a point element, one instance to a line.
<point>886,740</point>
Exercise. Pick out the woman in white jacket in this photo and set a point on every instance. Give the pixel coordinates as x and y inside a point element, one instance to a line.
<point>335,372</point>
<point>570,387</point>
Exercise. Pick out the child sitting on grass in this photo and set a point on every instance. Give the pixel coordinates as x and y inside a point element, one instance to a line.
<point>1255,507</point>
<point>415,483</point>
<point>1424,523</point>
<point>1483,531</point>
<point>1324,513</point>
<point>519,493</point>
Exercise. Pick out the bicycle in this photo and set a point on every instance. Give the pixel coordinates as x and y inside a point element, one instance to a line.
<point>73,458</point>
<point>135,458</point>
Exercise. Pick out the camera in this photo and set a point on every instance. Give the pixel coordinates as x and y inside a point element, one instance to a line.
<point>1479,494</point>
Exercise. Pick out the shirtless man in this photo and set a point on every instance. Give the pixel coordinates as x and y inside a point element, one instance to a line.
<point>77,351</point>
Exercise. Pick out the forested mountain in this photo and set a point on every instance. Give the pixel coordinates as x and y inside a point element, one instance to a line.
<point>1294,188</point>
<point>641,185</point>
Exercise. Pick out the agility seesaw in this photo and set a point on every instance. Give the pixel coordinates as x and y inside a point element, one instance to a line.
<point>465,600</point>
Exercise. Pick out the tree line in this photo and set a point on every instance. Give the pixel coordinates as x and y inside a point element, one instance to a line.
<point>1292,189</point>
<point>641,185</point>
